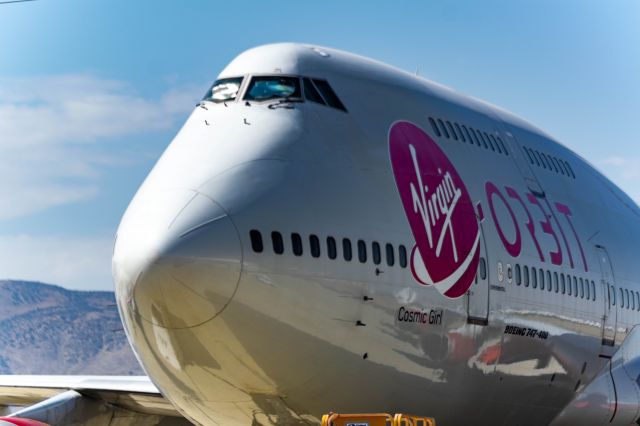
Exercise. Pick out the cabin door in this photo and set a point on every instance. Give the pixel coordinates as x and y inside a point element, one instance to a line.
<point>522,160</point>
<point>478,293</point>
<point>607,286</point>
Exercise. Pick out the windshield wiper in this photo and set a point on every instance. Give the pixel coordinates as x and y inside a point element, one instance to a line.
<point>283,102</point>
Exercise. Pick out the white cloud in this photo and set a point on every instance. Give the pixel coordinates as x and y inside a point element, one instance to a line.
<point>625,172</point>
<point>78,263</point>
<point>51,126</point>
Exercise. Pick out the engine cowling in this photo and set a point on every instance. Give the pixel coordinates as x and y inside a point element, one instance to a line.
<point>613,397</point>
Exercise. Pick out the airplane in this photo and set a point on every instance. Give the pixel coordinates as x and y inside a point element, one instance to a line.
<point>328,233</point>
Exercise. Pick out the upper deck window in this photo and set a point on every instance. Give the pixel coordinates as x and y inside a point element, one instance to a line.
<point>224,89</point>
<point>264,88</point>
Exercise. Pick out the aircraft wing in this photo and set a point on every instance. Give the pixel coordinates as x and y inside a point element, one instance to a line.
<point>99,400</point>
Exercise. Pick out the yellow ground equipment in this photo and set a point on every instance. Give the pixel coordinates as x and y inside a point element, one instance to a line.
<point>375,419</point>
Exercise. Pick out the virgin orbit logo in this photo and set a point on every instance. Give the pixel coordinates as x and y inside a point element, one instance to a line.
<point>439,210</point>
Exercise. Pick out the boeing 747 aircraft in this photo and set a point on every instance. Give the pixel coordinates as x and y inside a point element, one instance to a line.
<point>328,233</point>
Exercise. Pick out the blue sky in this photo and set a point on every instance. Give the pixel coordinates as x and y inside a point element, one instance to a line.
<point>91,92</point>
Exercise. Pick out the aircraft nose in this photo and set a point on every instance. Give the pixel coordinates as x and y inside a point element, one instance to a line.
<point>177,259</point>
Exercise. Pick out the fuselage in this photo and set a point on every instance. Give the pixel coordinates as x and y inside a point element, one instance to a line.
<point>270,268</point>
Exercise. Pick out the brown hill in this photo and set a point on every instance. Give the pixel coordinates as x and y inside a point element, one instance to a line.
<point>46,329</point>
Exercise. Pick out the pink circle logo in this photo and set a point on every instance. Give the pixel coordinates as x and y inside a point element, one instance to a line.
<point>439,211</point>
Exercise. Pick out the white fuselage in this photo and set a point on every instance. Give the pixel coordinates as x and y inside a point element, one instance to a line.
<point>235,335</point>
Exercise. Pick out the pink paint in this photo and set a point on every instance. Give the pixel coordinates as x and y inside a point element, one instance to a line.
<point>530,225</point>
<point>556,256</point>
<point>513,248</point>
<point>564,210</point>
<point>480,211</point>
<point>564,239</point>
<point>439,211</point>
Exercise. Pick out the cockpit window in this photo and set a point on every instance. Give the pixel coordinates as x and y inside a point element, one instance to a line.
<point>273,87</point>
<point>328,94</point>
<point>310,91</point>
<point>224,89</point>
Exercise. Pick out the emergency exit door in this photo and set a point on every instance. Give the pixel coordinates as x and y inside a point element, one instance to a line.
<point>478,293</point>
<point>607,285</point>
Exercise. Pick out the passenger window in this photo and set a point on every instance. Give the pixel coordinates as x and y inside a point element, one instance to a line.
<point>518,275</point>
<point>487,141</point>
<point>329,95</point>
<point>593,291</point>
<point>539,158</point>
<point>561,169</point>
<point>390,254</point>
<point>569,291</point>
<point>466,133</point>
<point>483,268</point>
<point>586,289</point>
<point>277,242</point>
<point>296,244</point>
<point>331,248</point>
<point>526,276</point>
<point>434,127</point>
<point>443,129</point>
<point>581,288</point>
<point>529,154</point>
<point>612,295</point>
<point>569,171</point>
<point>483,140</point>
<point>536,157</point>
<point>555,279</point>
<point>375,253</point>
<point>495,142</point>
<point>402,255</point>
<point>633,300</point>
<point>564,166</point>
<point>545,162</point>
<point>362,251</point>
<point>452,130</point>
<point>626,296</point>
<point>562,283</point>
<point>541,278</point>
<point>314,242</point>
<point>475,136</point>
<point>310,92</point>
<point>504,148</point>
<point>549,280</point>
<point>637,300</point>
<point>460,132</point>
<point>534,278</point>
<point>563,287</point>
<point>621,298</point>
<point>256,241</point>
<point>346,249</point>
<point>573,175</point>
